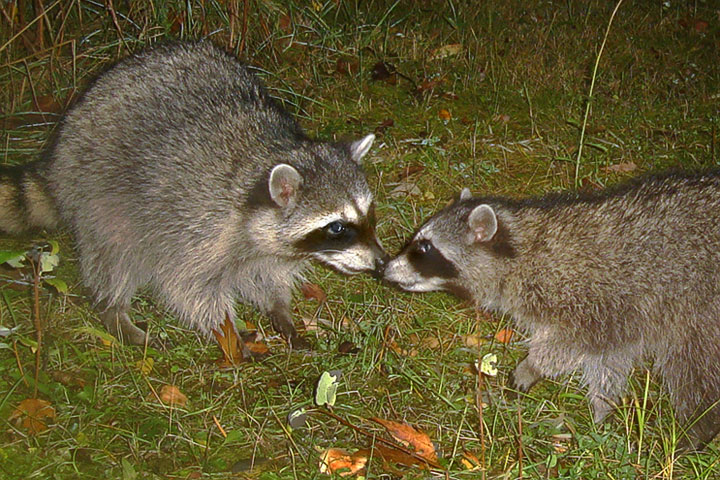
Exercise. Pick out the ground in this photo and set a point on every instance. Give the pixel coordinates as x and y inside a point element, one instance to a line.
<point>507,98</point>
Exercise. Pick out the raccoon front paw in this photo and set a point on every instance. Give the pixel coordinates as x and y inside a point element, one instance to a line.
<point>525,376</point>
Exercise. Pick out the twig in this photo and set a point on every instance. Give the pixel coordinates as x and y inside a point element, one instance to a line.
<point>387,442</point>
<point>520,444</point>
<point>590,94</point>
<point>479,405</point>
<point>35,264</point>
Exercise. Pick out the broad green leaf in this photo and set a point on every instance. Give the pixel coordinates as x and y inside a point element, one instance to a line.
<point>48,262</point>
<point>488,365</point>
<point>59,285</point>
<point>327,388</point>
<point>14,258</point>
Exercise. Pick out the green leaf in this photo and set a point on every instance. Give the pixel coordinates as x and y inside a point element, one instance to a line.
<point>54,247</point>
<point>128,471</point>
<point>327,388</point>
<point>14,258</point>
<point>48,262</point>
<point>488,365</point>
<point>101,334</point>
<point>59,285</point>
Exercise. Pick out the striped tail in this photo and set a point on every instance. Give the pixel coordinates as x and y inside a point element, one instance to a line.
<point>25,203</point>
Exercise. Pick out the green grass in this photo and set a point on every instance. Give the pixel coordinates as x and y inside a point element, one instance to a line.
<point>516,92</point>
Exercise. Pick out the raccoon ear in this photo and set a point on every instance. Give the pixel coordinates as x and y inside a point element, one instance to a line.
<point>284,185</point>
<point>465,194</point>
<point>359,148</point>
<point>483,224</point>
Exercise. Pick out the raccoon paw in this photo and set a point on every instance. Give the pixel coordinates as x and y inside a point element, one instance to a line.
<point>525,376</point>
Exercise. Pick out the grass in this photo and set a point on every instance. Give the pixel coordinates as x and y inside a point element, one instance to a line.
<point>516,92</point>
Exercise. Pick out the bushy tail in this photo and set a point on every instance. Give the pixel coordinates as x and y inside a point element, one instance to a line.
<point>25,203</point>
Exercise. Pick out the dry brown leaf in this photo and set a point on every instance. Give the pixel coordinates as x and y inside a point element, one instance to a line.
<point>621,167</point>
<point>405,189</point>
<point>470,461</point>
<point>473,340</point>
<point>701,26</point>
<point>313,291</point>
<point>408,436</point>
<point>446,51</point>
<point>230,344</point>
<point>398,457</point>
<point>171,395</point>
<point>257,348</point>
<point>505,335</point>
<point>340,461</point>
<point>31,415</point>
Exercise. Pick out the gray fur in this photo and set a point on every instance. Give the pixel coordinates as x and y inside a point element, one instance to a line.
<point>162,170</point>
<point>598,283</point>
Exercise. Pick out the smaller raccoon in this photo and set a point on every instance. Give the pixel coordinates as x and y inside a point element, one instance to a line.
<point>598,282</point>
<point>176,170</point>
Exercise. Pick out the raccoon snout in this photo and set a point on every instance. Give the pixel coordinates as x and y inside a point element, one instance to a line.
<point>380,264</point>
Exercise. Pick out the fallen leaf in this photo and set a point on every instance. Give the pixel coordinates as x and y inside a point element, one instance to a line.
<point>409,170</point>
<point>340,461</point>
<point>470,461</point>
<point>313,291</point>
<point>326,389</point>
<point>70,379</point>
<point>384,125</point>
<point>230,344</point>
<point>701,26</point>
<point>505,335</point>
<point>257,348</point>
<point>385,72</point>
<point>398,457</point>
<point>473,340</point>
<point>348,347</point>
<point>405,189</point>
<point>31,413</point>
<point>488,365</point>
<point>408,436</point>
<point>626,167</point>
<point>145,365</point>
<point>446,51</point>
<point>428,84</point>
<point>171,395</point>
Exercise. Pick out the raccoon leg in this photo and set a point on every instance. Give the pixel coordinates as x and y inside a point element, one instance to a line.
<point>117,322</point>
<point>282,322</point>
<point>525,376</point>
<point>690,374</point>
<point>606,382</point>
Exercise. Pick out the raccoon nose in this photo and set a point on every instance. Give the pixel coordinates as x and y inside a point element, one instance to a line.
<point>380,264</point>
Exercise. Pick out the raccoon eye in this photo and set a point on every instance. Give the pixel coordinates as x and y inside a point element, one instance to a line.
<point>335,229</point>
<point>423,246</point>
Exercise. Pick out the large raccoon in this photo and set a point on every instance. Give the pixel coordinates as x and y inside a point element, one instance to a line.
<point>597,281</point>
<point>178,171</point>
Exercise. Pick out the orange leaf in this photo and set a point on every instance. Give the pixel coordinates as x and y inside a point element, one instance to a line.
<point>230,344</point>
<point>313,291</point>
<point>337,460</point>
<point>30,414</point>
<point>505,335</point>
<point>407,435</point>
<point>171,395</point>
